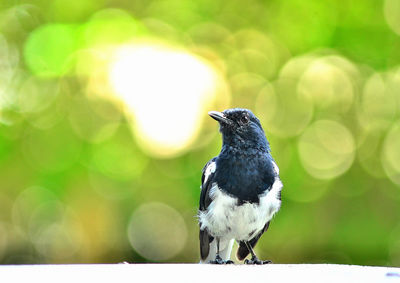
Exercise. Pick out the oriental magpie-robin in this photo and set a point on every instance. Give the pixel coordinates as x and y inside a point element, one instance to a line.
<point>240,191</point>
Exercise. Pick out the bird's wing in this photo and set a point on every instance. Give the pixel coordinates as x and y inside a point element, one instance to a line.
<point>206,182</point>
<point>242,251</point>
<point>205,200</point>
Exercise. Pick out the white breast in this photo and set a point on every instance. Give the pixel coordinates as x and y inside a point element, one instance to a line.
<point>225,219</point>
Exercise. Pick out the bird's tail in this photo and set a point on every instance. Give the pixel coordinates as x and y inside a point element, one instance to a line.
<point>242,251</point>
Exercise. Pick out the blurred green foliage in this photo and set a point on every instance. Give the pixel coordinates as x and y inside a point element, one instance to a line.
<point>80,183</point>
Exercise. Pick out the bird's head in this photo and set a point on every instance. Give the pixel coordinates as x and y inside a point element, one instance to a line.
<point>240,128</point>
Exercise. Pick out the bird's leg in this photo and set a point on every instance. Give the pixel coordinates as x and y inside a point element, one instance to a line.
<point>254,259</point>
<point>218,259</point>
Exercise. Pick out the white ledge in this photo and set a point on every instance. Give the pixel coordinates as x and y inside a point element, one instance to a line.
<point>205,273</point>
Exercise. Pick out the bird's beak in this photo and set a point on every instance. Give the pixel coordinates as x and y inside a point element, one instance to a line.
<point>219,116</point>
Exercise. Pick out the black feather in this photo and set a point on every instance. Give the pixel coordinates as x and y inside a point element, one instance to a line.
<point>206,186</point>
<point>242,251</point>
<point>205,200</point>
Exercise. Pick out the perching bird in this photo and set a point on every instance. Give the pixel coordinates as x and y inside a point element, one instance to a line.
<point>240,192</point>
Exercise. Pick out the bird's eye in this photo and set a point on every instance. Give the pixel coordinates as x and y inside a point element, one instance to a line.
<point>244,119</point>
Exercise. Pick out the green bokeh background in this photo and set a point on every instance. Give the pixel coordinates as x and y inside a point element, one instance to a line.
<point>75,185</point>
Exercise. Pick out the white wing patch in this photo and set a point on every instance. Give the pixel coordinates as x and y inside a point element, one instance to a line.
<point>209,170</point>
<point>276,168</point>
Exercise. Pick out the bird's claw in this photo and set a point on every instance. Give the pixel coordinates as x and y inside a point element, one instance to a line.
<point>219,260</point>
<point>257,261</point>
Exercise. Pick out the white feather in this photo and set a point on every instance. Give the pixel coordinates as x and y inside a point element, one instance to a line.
<point>276,168</point>
<point>209,170</point>
<point>224,219</point>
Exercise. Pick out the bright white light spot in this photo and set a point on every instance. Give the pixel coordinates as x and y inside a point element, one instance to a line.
<point>167,91</point>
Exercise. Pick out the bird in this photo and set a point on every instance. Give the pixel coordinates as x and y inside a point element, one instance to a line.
<point>240,190</point>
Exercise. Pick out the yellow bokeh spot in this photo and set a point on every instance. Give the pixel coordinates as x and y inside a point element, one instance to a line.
<point>284,113</point>
<point>49,50</point>
<point>157,231</point>
<point>167,91</point>
<point>377,106</point>
<point>327,85</point>
<point>326,149</point>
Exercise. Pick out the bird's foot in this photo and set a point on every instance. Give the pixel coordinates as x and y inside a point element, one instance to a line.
<point>255,260</point>
<point>219,260</point>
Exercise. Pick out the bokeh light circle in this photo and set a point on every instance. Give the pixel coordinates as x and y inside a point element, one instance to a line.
<point>289,113</point>
<point>391,154</point>
<point>36,94</point>
<point>97,127</point>
<point>303,188</point>
<point>157,231</point>
<point>167,91</point>
<point>26,202</point>
<point>296,66</point>
<point>55,231</point>
<point>52,228</point>
<point>326,149</point>
<point>70,11</point>
<point>377,106</point>
<point>111,26</point>
<point>254,52</point>
<point>327,85</point>
<point>9,58</point>
<point>369,149</point>
<point>48,51</point>
<point>200,34</point>
<point>391,9</point>
<point>393,84</point>
<point>245,87</point>
<point>266,103</point>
